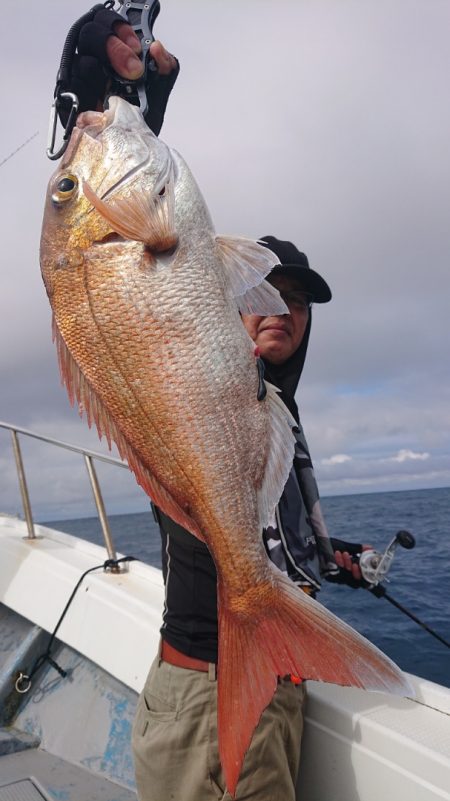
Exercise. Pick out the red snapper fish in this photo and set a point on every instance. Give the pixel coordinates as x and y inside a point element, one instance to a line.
<point>146,301</point>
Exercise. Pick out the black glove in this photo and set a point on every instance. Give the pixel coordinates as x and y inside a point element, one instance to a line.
<point>353,548</point>
<point>344,576</point>
<point>89,79</point>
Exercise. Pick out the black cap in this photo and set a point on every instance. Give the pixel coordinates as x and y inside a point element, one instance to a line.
<point>295,264</point>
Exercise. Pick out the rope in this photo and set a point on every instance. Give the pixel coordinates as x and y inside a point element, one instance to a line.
<point>24,682</point>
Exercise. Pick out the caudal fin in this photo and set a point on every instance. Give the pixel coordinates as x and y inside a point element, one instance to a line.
<point>290,634</point>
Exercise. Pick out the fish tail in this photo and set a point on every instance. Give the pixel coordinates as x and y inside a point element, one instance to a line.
<point>289,634</point>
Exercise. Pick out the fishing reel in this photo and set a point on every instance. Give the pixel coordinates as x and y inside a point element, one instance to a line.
<point>375,566</point>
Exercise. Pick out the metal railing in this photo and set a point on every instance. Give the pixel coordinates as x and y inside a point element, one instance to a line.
<point>88,456</point>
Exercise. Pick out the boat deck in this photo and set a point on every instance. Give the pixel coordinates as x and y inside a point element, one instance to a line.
<point>34,775</point>
<point>69,737</point>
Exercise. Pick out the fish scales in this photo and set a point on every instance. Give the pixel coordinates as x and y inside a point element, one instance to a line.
<point>214,362</point>
<point>146,302</point>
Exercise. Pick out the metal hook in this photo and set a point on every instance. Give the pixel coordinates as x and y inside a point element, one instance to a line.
<point>23,683</point>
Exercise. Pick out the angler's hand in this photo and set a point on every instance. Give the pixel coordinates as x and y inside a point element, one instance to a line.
<point>108,41</point>
<point>347,562</point>
<point>123,49</point>
<point>346,557</point>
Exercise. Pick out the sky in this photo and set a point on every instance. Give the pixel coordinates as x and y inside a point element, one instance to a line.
<point>325,122</point>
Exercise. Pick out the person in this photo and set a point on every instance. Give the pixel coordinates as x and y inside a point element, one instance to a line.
<point>175,731</point>
<point>174,736</point>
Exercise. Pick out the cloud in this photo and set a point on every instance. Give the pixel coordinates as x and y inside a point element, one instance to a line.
<point>338,458</point>
<point>405,455</point>
<point>335,156</point>
<point>371,473</point>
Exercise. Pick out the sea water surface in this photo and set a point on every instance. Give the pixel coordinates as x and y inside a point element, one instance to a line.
<point>419,578</point>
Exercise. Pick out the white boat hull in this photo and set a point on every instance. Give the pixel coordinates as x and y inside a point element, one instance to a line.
<point>357,746</point>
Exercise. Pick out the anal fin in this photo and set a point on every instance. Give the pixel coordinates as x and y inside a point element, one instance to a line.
<point>280,456</point>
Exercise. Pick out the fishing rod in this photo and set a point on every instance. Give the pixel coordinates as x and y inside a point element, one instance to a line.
<point>375,567</point>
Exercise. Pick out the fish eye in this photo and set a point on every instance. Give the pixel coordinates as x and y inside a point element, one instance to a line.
<point>65,188</point>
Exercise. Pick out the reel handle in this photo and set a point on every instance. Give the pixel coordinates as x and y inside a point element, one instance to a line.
<point>405,539</point>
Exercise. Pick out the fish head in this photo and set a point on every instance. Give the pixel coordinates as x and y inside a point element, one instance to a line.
<point>115,183</point>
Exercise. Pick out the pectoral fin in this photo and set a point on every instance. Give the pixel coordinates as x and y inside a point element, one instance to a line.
<point>143,217</point>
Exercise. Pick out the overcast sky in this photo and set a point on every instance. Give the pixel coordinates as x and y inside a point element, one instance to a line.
<point>324,122</point>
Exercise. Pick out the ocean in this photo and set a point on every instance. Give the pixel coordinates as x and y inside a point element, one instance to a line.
<point>419,579</point>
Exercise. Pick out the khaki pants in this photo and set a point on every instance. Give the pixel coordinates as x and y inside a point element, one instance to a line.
<point>175,741</point>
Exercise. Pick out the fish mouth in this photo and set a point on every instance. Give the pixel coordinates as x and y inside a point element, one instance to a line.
<point>133,190</point>
<point>118,112</point>
<point>125,116</point>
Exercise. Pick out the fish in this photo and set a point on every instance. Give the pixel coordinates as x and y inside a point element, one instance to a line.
<point>146,302</point>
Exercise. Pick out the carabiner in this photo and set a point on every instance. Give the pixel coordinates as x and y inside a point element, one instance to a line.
<point>54,121</point>
<point>63,80</point>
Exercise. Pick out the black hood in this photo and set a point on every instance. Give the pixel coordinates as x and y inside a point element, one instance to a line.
<point>287,376</point>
